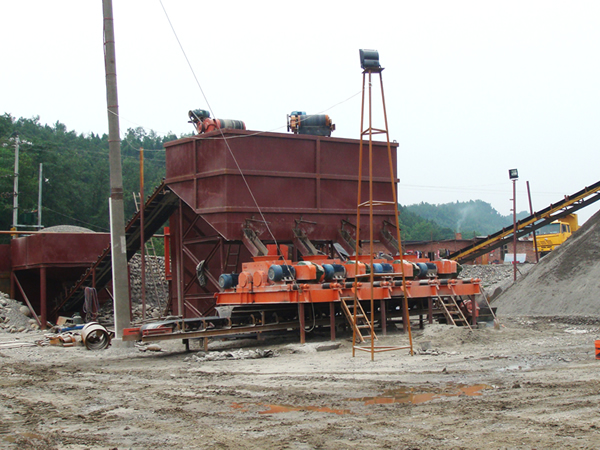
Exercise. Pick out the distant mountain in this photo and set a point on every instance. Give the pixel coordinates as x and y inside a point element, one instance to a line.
<point>472,218</point>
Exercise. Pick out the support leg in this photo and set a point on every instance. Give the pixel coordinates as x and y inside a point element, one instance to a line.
<point>43,299</point>
<point>332,320</point>
<point>405,317</point>
<point>383,305</point>
<point>302,323</point>
<point>430,310</point>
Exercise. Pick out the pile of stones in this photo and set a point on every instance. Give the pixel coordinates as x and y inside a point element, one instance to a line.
<point>157,290</point>
<point>493,274</point>
<point>15,317</point>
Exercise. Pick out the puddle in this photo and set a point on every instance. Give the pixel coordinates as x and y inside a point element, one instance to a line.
<point>240,407</point>
<point>401,395</point>
<point>276,409</point>
<point>422,395</point>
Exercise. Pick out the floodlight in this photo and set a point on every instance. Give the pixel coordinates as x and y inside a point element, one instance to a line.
<point>369,59</point>
<point>513,174</point>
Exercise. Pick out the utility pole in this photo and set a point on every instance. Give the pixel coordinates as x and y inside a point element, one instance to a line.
<point>513,174</point>
<point>16,186</point>
<point>39,225</point>
<point>117,216</point>
<point>514,229</point>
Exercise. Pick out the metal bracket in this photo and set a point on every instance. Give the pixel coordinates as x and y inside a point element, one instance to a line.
<point>253,243</point>
<point>387,232</point>
<point>302,242</point>
<point>348,242</point>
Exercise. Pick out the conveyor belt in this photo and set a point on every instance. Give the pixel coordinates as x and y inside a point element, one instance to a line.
<point>528,225</point>
<point>157,210</point>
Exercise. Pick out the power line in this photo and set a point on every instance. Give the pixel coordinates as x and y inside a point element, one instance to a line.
<point>75,219</point>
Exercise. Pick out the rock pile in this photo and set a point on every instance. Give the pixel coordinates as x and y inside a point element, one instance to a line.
<point>565,283</point>
<point>236,354</point>
<point>157,290</point>
<point>495,278</point>
<point>490,274</point>
<point>14,316</point>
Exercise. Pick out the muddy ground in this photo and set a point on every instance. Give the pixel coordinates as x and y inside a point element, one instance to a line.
<point>531,384</point>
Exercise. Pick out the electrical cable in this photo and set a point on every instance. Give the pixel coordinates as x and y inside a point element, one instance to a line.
<point>220,130</point>
<point>73,218</point>
<point>314,321</point>
<point>226,139</point>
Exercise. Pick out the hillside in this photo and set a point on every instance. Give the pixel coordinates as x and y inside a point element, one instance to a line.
<point>472,218</point>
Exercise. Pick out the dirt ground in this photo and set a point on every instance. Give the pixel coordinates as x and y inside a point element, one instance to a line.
<point>533,383</point>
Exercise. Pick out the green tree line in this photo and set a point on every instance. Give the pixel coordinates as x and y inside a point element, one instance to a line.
<point>472,218</point>
<point>75,187</point>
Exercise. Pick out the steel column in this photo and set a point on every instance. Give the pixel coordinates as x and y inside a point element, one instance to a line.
<point>302,323</point>
<point>332,320</point>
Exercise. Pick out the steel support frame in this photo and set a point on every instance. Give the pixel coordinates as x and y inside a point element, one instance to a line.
<point>371,203</point>
<point>193,241</point>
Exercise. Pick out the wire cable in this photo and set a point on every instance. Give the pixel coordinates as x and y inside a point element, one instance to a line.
<point>73,218</point>
<point>220,130</point>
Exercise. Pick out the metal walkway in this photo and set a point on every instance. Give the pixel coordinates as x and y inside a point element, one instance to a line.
<point>157,210</point>
<point>568,205</point>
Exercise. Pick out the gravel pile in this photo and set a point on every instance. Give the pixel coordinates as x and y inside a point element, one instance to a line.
<point>15,317</point>
<point>490,274</point>
<point>565,283</point>
<point>157,290</point>
<point>237,354</point>
<point>67,229</point>
<point>495,278</point>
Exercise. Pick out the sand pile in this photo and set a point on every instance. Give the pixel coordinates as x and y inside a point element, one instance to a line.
<point>565,282</point>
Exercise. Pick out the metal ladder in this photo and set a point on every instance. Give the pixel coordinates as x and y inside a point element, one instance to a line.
<point>362,321</point>
<point>452,311</point>
<point>232,258</point>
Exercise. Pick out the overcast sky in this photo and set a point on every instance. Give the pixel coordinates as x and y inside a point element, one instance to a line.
<point>473,88</point>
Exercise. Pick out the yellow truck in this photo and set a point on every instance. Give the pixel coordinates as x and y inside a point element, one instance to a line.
<point>554,234</point>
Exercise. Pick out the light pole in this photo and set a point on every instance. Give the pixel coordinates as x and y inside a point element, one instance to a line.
<point>16,186</point>
<point>513,174</point>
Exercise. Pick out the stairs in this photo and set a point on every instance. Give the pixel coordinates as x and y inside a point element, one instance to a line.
<point>363,328</point>
<point>160,205</point>
<point>232,257</point>
<point>452,311</point>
